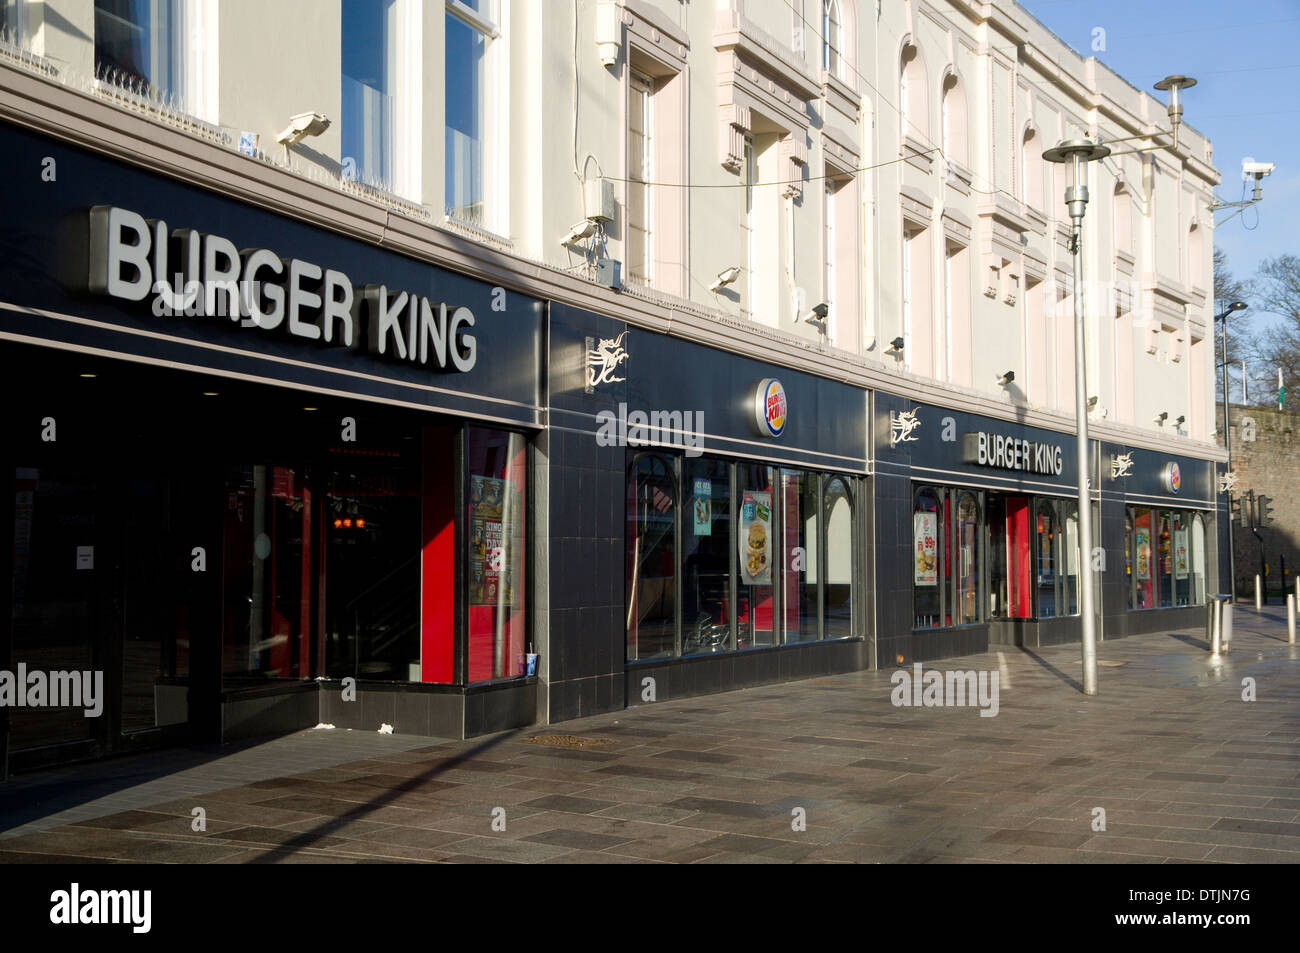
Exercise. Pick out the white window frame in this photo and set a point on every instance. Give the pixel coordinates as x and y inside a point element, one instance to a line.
<point>645,85</point>
<point>947,312</point>
<point>830,275</point>
<point>751,172</point>
<point>17,9</point>
<point>908,236</point>
<point>833,43</point>
<point>495,109</point>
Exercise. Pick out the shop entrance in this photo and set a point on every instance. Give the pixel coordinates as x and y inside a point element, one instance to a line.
<point>99,656</point>
<point>1010,557</point>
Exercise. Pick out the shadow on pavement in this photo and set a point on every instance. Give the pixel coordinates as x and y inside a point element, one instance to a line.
<point>1068,679</point>
<point>29,797</point>
<point>307,838</point>
<point>1190,640</point>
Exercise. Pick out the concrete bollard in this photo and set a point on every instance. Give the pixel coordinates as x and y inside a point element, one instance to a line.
<point>1290,618</point>
<point>1259,598</point>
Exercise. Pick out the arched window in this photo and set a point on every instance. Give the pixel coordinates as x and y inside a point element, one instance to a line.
<point>927,548</point>
<point>966,568</point>
<point>955,145</point>
<point>838,509</point>
<point>1046,546</point>
<point>832,38</point>
<point>1198,560</point>
<point>651,558</point>
<point>1031,172</point>
<point>913,98</point>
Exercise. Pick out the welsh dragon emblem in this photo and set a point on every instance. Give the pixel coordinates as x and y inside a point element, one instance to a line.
<point>604,359</point>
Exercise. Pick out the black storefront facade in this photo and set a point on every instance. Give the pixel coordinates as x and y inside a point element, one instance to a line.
<point>328,482</point>
<point>976,539</point>
<point>718,537</point>
<point>292,487</point>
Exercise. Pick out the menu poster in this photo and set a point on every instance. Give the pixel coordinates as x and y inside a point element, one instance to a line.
<point>1180,554</point>
<point>755,538</point>
<point>925,530</point>
<point>491,555</point>
<point>1143,547</point>
<point>702,507</point>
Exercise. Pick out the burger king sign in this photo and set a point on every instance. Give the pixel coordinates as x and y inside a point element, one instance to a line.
<point>770,407</point>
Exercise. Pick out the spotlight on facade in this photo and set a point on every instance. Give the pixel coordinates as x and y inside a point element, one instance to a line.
<point>895,346</point>
<point>1180,420</point>
<point>1160,418</point>
<point>1092,402</point>
<point>300,127</point>
<point>817,316</point>
<point>584,229</point>
<point>724,278</point>
<point>1006,378</point>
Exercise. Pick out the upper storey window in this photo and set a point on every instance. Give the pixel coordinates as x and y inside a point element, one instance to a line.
<point>139,43</point>
<point>473,64</point>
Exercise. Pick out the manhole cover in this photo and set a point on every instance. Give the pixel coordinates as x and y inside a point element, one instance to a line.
<point>570,741</point>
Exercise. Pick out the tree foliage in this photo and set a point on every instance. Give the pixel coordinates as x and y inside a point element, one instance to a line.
<point>1276,290</point>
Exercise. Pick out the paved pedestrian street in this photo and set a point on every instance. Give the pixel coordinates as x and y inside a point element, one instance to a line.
<point>822,770</point>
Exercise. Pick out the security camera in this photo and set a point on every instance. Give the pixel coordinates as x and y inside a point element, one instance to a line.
<point>1250,167</point>
<point>724,278</point>
<point>301,126</point>
<point>895,346</point>
<point>584,229</point>
<point>818,313</point>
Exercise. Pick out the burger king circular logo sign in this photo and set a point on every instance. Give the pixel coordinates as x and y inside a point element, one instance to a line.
<point>1172,478</point>
<point>770,407</point>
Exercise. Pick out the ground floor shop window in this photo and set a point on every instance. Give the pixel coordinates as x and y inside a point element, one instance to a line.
<point>1166,568</point>
<point>1034,560</point>
<point>947,569</point>
<point>724,556</point>
<point>497,507</point>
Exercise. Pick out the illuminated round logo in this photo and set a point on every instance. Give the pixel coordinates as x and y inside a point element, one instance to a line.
<point>770,407</point>
<point>1172,478</point>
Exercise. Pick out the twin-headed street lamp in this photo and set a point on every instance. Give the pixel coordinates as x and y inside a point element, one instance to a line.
<point>1076,153</point>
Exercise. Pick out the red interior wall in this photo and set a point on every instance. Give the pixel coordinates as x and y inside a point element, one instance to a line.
<point>1018,556</point>
<point>438,556</point>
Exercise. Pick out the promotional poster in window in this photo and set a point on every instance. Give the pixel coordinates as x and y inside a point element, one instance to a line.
<point>492,505</point>
<point>755,538</point>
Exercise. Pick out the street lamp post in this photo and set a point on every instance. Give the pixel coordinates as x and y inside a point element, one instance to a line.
<point>1075,153</point>
<point>1227,442</point>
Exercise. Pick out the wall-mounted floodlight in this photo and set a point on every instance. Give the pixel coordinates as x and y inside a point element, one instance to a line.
<point>1180,420</point>
<point>724,278</point>
<point>895,346</point>
<point>300,127</point>
<point>817,315</point>
<point>1160,418</point>
<point>584,229</point>
<point>1092,402</point>
<point>1006,378</point>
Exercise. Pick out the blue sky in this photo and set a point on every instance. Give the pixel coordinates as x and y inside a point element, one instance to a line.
<point>1246,59</point>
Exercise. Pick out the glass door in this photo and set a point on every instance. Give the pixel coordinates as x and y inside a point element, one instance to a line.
<point>62,577</point>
